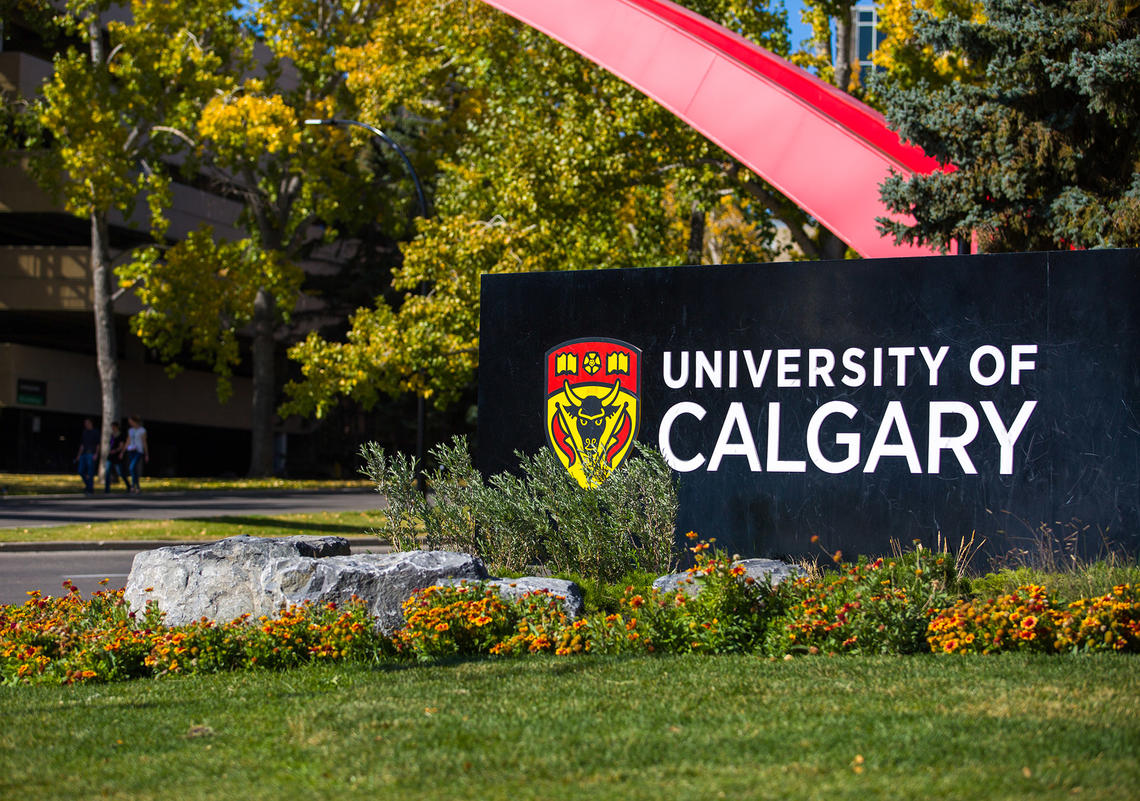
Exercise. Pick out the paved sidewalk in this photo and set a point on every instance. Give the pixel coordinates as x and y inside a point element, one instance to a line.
<point>36,511</point>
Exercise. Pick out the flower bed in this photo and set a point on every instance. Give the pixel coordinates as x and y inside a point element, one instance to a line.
<point>901,605</point>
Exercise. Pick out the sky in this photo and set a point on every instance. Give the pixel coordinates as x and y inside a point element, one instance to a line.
<point>799,30</point>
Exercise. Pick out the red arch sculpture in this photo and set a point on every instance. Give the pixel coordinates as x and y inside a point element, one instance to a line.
<point>822,148</point>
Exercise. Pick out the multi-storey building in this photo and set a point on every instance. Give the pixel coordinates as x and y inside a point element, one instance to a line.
<point>48,376</point>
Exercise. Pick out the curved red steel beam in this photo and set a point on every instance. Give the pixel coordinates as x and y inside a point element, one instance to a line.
<point>820,147</point>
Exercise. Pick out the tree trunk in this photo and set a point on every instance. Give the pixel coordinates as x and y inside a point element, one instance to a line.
<point>844,47</point>
<point>102,279</point>
<point>831,246</point>
<point>696,235</point>
<point>106,352</point>
<point>264,384</point>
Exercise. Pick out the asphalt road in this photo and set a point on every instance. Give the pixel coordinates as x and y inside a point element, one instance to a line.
<point>22,570</point>
<point>46,570</point>
<point>21,511</point>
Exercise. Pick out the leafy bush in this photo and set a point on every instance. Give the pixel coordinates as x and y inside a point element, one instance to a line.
<point>68,639</point>
<point>1030,619</point>
<point>541,517</point>
<point>606,597</point>
<point>461,620</point>
<point>729,614</point>
<point>1083,580</point>
<point>880,606</point>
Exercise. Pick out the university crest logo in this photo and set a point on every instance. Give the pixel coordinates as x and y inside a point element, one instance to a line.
<point>593,406</point>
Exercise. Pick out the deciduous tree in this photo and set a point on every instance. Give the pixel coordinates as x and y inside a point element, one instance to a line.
<point>106,111</point>
<point>552,164</point>
<point>295,183</point>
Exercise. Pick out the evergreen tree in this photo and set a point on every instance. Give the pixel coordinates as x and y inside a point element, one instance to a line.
<point>1046,145</point>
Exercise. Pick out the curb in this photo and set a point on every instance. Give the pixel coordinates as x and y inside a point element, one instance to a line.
<point>66,496</point>
<point>140,545</point>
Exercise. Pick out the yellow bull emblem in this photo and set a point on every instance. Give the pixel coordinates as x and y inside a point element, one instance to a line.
<point>591,428</point>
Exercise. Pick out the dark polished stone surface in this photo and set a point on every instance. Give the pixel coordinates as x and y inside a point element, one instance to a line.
<point>1066,326</point>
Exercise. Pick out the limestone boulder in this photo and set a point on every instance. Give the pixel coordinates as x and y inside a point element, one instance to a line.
<point>573,602</point>
<point>382,581</point>
<point>762,570</point>
<point>258,576</point>
<point>218,580</point>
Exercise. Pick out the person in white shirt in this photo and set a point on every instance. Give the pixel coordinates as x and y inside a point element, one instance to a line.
<point>138,451</point>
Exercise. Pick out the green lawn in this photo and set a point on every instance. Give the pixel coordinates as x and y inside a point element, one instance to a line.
<point>928,727</point>
<point>71,483</point>
<point>340,524</point>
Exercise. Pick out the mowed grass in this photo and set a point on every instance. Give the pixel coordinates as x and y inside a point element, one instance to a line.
<point>71,483</point>
<point>340,524</point>
<point>928,727</point>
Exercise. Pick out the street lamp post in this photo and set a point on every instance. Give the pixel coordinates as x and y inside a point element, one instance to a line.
<point>423,212</point>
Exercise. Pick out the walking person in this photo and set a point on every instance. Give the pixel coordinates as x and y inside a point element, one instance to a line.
<point>114,466</point>
<point>138,451</point>
<point>88,455</point>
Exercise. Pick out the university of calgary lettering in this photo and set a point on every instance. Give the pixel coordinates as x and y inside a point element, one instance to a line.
<point>832,440</point>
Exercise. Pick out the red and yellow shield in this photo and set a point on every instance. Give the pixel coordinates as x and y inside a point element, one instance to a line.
<point>593,405</point>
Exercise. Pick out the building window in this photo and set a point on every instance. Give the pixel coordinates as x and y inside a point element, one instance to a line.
<point>868,37</point>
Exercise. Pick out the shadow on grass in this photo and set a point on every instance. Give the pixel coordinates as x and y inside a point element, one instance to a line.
<point>272,522</point>
<point>547,663</point>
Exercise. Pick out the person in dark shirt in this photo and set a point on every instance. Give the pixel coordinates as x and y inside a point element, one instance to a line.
<point>114,466</point>
<point>88,455</point>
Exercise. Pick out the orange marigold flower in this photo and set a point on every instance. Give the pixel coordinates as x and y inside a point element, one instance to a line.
<point>1029,622</point>
<point>442,626</point>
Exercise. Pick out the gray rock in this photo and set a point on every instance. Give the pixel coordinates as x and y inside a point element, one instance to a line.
<point>382,581</point>
<point>573,603</point>
<point>217,580</point>
<point>677,582</point>
<point>771,570</point>
<point>761,570</point>
<point>222,581</point>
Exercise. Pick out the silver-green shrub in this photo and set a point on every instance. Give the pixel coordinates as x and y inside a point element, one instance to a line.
<point>538,517</point>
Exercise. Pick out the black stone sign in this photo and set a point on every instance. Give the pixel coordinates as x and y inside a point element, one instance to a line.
<point>860,401</point>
